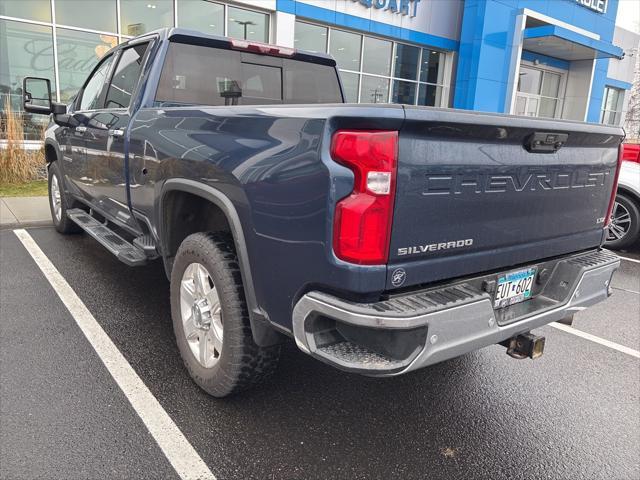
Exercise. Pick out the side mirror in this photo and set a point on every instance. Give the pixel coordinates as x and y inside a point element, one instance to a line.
<point>36,97</point>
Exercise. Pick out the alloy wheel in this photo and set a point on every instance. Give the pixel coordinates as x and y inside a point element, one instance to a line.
<point>201,314</point>
<point>620,222</point>
<point>56,201</point>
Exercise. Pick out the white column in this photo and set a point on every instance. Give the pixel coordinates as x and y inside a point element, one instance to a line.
<point>284,26</point>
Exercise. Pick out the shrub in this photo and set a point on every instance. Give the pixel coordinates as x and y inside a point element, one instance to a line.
<point>18,165</point>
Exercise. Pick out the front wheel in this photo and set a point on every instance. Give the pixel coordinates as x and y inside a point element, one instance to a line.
<point>58,202</point>
<point>624,226</point>
<point>211,319</point>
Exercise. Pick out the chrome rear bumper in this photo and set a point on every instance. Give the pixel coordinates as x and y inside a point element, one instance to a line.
<point>411,331</point>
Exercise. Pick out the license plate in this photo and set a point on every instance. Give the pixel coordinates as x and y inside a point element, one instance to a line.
<point>514,287</point>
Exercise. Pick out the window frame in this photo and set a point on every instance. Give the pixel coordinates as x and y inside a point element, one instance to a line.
<point>78,100</point>
<point>392,78</point>
<point>117,54</point>
<point>619,107</point>
<point>562,89</point>
<point>145,58</point>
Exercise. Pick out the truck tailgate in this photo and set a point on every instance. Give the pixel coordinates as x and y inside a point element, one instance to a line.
<point>474,195</point>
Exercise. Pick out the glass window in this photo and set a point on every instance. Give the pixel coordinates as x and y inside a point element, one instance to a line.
<point>612,106</point>
<point>406,61</point>
<point>82,13</point>
<point>547,107</point>
<point>430,70</point>
<point>261,82</point>
<point>310,37</point>
<point>360,57</point>
<point>374,90</point>
<point>248,25</point>
<point>30,9</point>
<point>550,85</point>
<point>78,53</point>
<point>25,50</point>
<point>345,48</point>
<point>198,75</point>
<point>404,92</point>
<point>376,57</point>
<point>350,83</point>
<point>430,95</point>
<point>201,15</point>
<point>91,95</point>
<point>141,16</point>
<point>311,83</point>
<point>521,105</point>
<point>529,80</point>
<point>611,99</point>
<point>125,78</point>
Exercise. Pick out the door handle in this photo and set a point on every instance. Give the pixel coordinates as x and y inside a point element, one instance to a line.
<point>116,133</point>
<point>81,129</point>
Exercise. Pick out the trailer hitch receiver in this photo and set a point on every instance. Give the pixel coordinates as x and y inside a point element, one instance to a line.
<point>525,345</point>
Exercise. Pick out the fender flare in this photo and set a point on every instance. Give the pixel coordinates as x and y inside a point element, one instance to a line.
<point>263,333</point>
<point>51,143</point>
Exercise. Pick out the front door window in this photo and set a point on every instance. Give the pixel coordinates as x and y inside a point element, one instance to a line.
<point>538,93</point>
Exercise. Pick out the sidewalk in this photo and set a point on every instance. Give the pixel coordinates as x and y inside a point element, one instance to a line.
<point>22,211</point>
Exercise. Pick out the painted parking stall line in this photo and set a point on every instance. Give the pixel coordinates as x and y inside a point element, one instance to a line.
<point>593,338</point>
<point>629,259</point>
<point>180,453</point>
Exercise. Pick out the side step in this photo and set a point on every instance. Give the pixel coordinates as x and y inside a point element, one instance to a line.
<point>118,246</point>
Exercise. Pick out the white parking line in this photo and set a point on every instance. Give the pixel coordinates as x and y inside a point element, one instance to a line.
<point>593,338</point>
<point>629,259</point>
<point>180,453</point>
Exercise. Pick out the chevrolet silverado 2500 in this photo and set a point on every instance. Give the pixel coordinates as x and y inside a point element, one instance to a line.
<point>382,238</point>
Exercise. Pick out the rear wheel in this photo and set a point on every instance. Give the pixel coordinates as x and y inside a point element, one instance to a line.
<point>624,226</point>
<point>59,202</point>
<point>211,319</point>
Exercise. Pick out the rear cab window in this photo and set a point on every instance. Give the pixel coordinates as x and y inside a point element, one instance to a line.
<point>201,75</point>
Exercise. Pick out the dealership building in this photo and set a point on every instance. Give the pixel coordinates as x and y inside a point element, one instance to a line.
<point>548,58</point>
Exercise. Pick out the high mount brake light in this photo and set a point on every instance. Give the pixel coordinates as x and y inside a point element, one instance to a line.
<point>612,200</point>
<point>262,48</point>
<point>362,223</point>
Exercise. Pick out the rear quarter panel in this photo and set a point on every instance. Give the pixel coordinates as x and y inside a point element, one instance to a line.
<point>273,164</point>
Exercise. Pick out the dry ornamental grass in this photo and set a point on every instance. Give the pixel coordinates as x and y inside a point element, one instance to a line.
<point>17,165</point>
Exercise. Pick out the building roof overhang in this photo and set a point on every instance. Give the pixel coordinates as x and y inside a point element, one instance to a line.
<point>559,42</point>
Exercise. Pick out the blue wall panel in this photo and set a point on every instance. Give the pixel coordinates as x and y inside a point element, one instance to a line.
<point>485,48</point>
<point>326,15</point>
<point>485,44</point>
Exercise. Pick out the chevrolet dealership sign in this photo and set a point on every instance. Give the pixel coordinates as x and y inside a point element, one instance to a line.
<point>402,7</point>
<point>599,6</point>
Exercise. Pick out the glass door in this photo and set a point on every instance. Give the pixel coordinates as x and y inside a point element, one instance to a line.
<point>539,93</point>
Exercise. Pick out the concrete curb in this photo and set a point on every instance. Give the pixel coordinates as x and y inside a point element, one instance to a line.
<point>17,212</point>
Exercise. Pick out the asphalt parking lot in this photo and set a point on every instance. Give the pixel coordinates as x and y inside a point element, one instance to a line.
<point>574,413</point>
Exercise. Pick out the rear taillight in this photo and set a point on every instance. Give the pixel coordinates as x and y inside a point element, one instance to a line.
<point>362,224</point>
<point>612,200</point>
<point>262,48</point>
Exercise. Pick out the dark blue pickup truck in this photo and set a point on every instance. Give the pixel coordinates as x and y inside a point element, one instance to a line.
<point>382,238</point>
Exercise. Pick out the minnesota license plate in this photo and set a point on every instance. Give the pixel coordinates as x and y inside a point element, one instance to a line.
<point>514,287</point>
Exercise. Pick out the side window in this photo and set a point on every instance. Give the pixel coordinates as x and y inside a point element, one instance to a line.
<point>93,88</point>
<point>125,78</point>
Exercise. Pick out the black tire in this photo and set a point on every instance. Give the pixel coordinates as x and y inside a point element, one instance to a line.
<point>631,234</point>
<point>63,224</point>
<point>241,363</point>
